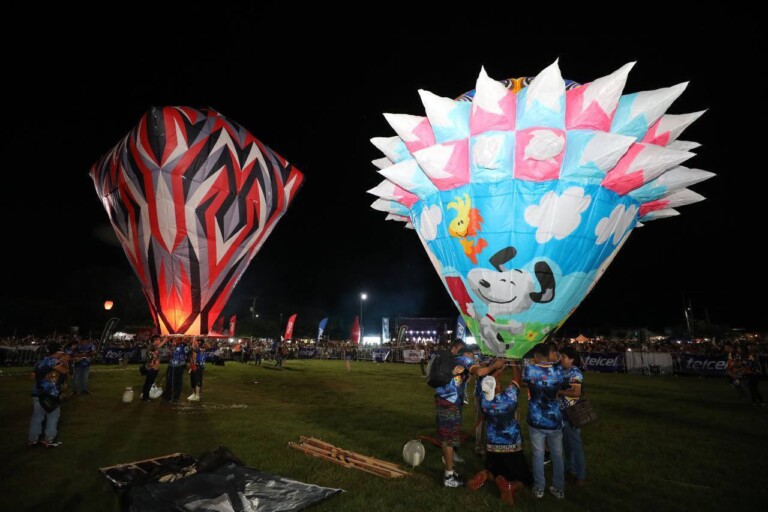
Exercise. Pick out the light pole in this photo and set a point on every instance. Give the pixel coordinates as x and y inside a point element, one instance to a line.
<point>363,296</point>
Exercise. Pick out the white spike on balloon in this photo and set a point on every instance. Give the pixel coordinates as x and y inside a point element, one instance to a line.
<point>392,207</point>
<point>548,88</point>
<point>382,163</point>
<point>659,214</point>
<point>670,126</point>
<point>438,108</point>
<point>488,94</point>
<point>388,146</point>
<point>434,160</point>
<point>651,105</point>
<point>404,125</point>
<point>397,218</point>
<point>650,159</point>
<point>607,90</point>
<point>682,198</point>
<point>606,149</point>
<point>403,174</point>
<point>683,145</point>
<point>674,179</point>
<point>384,190</point>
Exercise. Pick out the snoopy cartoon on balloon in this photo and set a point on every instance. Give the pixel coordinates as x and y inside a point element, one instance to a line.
<point>507,292</point>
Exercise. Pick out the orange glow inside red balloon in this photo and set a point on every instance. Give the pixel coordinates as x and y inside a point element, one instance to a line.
<point>108,305</point>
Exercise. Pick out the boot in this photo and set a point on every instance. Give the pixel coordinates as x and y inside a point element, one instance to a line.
<point>507,490</point>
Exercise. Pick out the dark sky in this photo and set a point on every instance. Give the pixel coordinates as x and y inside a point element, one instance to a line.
<point>318,103</point>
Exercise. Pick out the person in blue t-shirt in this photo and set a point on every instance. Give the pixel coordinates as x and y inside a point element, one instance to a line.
<point>46,374</point>
<point>575,464</point>
<point>479,418</point>
<point>545,421</point>
<point>505,462</point>
<point>82,355</point>
<point>448,404</point>
<point>174,376</point>
<point>196,367</point>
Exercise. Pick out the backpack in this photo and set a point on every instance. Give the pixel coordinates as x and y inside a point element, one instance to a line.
<point>440,369</point>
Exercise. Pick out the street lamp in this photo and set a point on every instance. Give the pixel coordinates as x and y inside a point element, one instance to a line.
<point>363,296</point>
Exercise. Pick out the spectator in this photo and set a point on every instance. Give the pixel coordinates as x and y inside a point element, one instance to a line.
<point>545,423</point>
<point>196,367</point>
<point>152,365</point>
<point>45,374</point>
<point>174,376</point>
<point>83,353</point>
<point>573,451</point>
<point>448,404</point>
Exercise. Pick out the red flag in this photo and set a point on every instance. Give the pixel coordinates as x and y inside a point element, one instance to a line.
<point>232,325</point>
<point>289,327</point>
<point>355,335</point>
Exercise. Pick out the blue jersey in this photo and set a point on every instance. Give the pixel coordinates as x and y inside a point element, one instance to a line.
<point>179,355</point>
<point>454,390</point>
<point>501,427</point>
<point>572,376</point>
<point>47,388</point>
<point>80,350</point>
<point>200,357</point>
<point>544,380</point>
<point>41,369</point>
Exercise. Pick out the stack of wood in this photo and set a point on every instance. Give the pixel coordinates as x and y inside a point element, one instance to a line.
<point>326,451</point>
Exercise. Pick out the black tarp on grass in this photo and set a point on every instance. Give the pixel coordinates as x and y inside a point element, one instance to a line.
<point>221,483</point>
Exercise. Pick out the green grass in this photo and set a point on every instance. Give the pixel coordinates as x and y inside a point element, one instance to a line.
<point>661,443</point>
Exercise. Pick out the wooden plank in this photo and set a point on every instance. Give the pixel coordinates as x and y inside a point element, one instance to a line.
<point>341,460</point>
<point>134,463</point>
<point>354,455</point>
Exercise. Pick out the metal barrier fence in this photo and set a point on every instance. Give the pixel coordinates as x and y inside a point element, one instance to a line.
<point>652,363</point>
<point>19,356</point>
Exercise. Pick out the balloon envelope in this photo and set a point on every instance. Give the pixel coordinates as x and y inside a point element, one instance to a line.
<point>192,197</point>
<point>522,192</point>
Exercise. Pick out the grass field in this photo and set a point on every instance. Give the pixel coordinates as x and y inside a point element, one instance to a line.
<point>661,443</point>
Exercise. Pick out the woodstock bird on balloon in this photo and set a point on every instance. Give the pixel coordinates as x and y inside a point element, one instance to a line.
<point>551,172</point>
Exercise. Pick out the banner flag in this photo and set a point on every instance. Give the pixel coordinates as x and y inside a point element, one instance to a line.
<point>289,327</point>
<point>461,328</point>
<point>355,334</point>
<point>385,330</point>
<point>321,328</point>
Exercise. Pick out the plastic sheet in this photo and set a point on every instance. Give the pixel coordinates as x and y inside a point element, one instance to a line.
<point>229,488</point>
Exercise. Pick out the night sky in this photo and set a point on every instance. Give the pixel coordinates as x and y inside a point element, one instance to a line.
<point>317,103</point>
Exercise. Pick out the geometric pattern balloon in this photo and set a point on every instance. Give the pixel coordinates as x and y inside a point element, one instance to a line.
<point>192,197</point>
<point>523,191</point>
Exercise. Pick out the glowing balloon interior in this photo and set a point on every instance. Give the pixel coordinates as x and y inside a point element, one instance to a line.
<point>192,197</point>
<point>523,191</point>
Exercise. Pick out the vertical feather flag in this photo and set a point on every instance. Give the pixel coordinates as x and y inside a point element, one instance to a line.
<point>355,334</point>
<point>321,328</point>
<point>289,327</point>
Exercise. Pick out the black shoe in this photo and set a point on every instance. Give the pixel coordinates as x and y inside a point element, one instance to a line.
<point>50,444</point>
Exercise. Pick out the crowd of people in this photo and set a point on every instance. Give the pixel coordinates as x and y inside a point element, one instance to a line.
<point>553,382</point>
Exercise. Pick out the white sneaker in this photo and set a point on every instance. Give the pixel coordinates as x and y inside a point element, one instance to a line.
<point>195,398</point>
<point>191,397</point>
